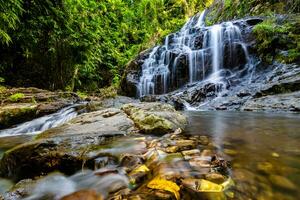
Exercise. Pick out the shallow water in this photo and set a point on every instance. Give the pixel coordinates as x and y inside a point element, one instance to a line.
<point>263,148</point>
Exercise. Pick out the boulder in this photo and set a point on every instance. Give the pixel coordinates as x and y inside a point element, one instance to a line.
<point>83,195</point>
<point>155,118</point>
<point>17,113</point>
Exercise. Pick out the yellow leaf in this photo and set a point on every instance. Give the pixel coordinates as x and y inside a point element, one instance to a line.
<point>207,186</point>
<point>142,168</point>
<point>162,184</point>
<point>228,184</point>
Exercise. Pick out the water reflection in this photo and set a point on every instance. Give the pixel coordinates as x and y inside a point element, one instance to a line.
<point>264,149</point>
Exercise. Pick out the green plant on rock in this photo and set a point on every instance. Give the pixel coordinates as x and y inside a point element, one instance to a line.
<point>82,95</point>
<point>16,97</point>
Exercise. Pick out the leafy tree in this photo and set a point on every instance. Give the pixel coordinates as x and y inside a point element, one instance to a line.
<point>67,44</point>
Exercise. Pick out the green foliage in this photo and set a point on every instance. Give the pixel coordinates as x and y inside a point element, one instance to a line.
<point>9,17</point>
<point>108,92</point>
<point>278,40</point>
<point>83,44</point>
<point>82,95</point>
<point>223,10</point>
<point>16,97</point>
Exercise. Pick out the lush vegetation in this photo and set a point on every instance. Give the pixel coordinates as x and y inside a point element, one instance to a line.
<point>67,44</point>
<point>224,10</point>
<point>279,39</point>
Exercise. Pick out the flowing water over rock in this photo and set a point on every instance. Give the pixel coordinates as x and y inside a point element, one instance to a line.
<point>43,123</point>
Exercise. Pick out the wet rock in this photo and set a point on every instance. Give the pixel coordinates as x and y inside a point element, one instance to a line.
<point>220,165</point>
<point>282,182</point>
<point>265,167</point>
<point>65,148</point>
<point>215,178</point>
<point>104,161</point>
<point>16,113</point>
<point>207,153</point>
<point>281,102</point>
<point>139,174</point>
<point>202,189</point>
<point>200,162</point>
<point>172,149</point>
<point>203,140</point>
<point>130,161</point>
<point>22,189</point>
<point>155,118</point>
<point>117,102</point>
<point>132,73</point>
<point>192,152</point>
<point>186,144</point>
<point>230,152</point>
<point>106,170</point>
<point>244,175</point>
<point>83,195</point>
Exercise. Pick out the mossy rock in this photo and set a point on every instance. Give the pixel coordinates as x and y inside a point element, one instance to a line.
<point>155,118</point>
<point>16,113</point>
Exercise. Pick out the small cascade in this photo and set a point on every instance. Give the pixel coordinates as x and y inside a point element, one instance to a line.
<point>43,123</point>
<point>195,53</point>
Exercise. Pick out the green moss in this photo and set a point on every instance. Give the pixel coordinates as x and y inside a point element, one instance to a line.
<point>82,95</point>
<point>16,97</point>
<point>2,89</point>
<point>16,115</point>
<point>278,40</point>
<point>108,92</point>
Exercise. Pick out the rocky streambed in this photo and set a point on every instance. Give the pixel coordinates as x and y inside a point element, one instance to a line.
<point>133,151</point>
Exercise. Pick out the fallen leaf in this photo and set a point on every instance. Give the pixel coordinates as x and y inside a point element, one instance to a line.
<point>162,184</point>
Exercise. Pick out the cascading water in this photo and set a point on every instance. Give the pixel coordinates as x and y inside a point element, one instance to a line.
<point>195,53</point>
<point>43,123</point>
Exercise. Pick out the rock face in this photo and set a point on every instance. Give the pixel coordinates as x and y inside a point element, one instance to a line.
<point>70,147</point>
<point>155,118</point>
<point>132,74</point>
<point>273,89</point>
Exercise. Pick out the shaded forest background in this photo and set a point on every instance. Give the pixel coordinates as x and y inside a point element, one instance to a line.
<point>85,45</point>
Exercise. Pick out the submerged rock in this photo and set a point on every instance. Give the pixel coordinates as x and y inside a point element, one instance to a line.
<point>282,182</point>
<point>83,195</point>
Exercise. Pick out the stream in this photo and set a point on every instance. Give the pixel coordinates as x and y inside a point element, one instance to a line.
<point>263,148</point>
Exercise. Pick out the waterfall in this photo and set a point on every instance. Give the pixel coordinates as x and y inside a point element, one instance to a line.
<point>195,53</point>
<point>217,48</point>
